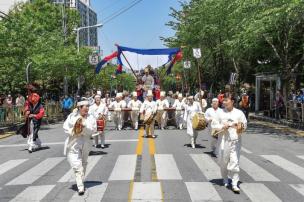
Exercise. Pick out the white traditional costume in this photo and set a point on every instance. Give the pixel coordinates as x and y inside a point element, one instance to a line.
<point>230,145</point>
<point>77,146</point>
<point>149,108</point>
<point>107,101</point>
<point>117,106</point>
<point>97,111</point>
<point>190,111</point>
<point>135,106</point>
<point>179,111</point>
<point>162,115</point>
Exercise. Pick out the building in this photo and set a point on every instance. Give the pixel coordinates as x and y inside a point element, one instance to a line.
<point>87,37</point>
<point>6,5</point>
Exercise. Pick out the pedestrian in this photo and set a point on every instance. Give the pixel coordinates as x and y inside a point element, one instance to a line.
<point>233,123</point>
<point>244,104</point>
<point>179,111</point>
<point>80,126</point>
<point>279,105</point>
<point>162,114</point>
<point>212,116</point>
<point>99,111</point>
<point>67,105</point>
<point>134,105</point>
<point>20,100</point>
<point>191,109</point>
<point>148,111</point>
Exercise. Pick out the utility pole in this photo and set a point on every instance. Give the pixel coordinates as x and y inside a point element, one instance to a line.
<point>64,27</point>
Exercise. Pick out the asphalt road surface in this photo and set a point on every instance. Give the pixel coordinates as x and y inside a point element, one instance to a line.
<point>134,168</point>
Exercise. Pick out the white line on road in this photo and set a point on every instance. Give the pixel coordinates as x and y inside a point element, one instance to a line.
<point>147,191</point>
<point>33,193</point>
<point>256,172</point>
<point>298,187</point>
<point>10,165</point>
<point>92,194</point>
<point>286,165</point>
<point>246,150</point>
<point>36,172</point>
<point>207,165</point>
<point>61,143</point>
<point>166,167</point>
<point>258,192</point>
<point>202,191</point>
<point>301,156</point>
<point>124,168</point>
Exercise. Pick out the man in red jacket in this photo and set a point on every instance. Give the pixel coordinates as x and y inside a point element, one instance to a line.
<point>34,112</point>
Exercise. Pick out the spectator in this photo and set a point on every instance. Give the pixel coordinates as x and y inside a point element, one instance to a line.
<point>67,104</point>
<point>20,100</point>
<point>279,105</point>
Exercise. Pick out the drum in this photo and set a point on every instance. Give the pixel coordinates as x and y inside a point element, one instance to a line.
<point>148,119</point>
<point>199,122</point>
<point>100,125</point>
<point>77,130</point>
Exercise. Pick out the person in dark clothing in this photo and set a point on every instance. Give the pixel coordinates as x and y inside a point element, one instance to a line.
<point>67,104</point>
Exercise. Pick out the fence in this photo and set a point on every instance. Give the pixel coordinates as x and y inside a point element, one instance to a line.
<point>15,114</point>
<point>295,112</point>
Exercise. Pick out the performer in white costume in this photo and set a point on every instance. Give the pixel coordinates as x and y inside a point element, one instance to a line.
<point>107,102</point>
<point>135,105</point>
<point>162,115</point>
<point>204,103</point>
<point>99,110</point>
<point>117,106</point>
<point>191,109</point>
<point>148,110</point>
<point>233,123</point>
<point>212,116</point>
<point>179,111</point>
<point>80,126</point>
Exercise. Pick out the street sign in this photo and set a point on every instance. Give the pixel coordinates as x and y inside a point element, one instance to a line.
<point>187,64</point>
<point>94,59</point>
<point>197,53</point>
<point>233,78</point>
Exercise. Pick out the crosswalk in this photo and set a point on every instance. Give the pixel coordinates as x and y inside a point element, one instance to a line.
<point>167,169</point>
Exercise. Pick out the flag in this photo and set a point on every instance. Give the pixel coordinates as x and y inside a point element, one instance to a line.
<point>104,61</point>
<point>178,57</point>
<point>119,69</point>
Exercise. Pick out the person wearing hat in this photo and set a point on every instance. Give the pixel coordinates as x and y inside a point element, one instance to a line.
<point>117,106</point>
<point>201,96</point>
<point>107,101</point>
<point>161,116</point>
<point>191,108</point>
<point>99,110</point>
<point>179,113</point>
<point>147,79</point>
<point>135,105</point>
<point>212,116</point>
<point>80,126</point>
<point>148,109</point>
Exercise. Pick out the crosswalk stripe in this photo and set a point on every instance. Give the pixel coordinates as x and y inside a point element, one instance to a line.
<point>69,176</point>
<point>33,193</point>
<point>258,192</point>
<point>166,167</point>
<point>36,172</point>
<point>298,187</point>
<point>208,194</point>
<point>255,171</point>
<point>286,165</point>
<point>246,150</point>
<point>147,191</point>
<point>301,156</point>
<point>124,168</point>
<point>10,165</point>
<point>92,194</point>
<point>207,165</point>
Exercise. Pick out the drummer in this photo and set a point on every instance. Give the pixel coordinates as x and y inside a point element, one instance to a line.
<point>191,108</point>
<point>179,113</point>
<point>162,104</point>
<point>117,106</point>
<point>99,110</point>
<point>148,109</point>
<point>135,105</point>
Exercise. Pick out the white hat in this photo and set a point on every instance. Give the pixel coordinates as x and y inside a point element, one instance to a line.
<point>98,92</point>
<point>180,95</point>
<point>202,93</point>
<point>190,97</point>
<point>82,102</point>
<point>134,94</point>
<point>149,93</point>
<point>118,95</point>
<point>215,100</point>
<point>97,96</point>
<point>163,93</point>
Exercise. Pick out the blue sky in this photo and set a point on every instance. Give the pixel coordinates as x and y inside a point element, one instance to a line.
<point>139,27</point>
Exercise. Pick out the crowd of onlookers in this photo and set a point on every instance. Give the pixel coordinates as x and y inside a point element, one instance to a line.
<point>297,96</point>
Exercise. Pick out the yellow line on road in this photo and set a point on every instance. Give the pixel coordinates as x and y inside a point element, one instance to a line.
<point>151,146</point>
<point>8,134</point>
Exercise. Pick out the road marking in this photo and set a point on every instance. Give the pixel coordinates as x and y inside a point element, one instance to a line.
<point>298,187</point>
<point>301,156</point>
<point>202,191</point>
<point>33,193</point>
<point>61,143</point>
<point>124,168</point>
<point>246,150</point>
<point>70,176</point>
<point>10,165</point>
<point>7,135</point>
<point>255,171</point>
<point>207,166</point>
<point>95,192</point>
<point>36,172</point>
<point>286,165</point>
<point>147,191</point>
<point>259,192</point>
<point>151,146</point>
<point>166,167</point>
<point>140,143</point>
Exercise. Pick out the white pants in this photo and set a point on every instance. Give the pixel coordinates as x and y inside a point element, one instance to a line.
<point>102,137</point>
<point>193,136</point>
<point>179,118</point>
<point>134,118</point>
<point>150,128</point>
<point>117,117</point>
<point>229,158</point>
<point>161,118</point>
<point>214,145</point>
<point>30,141</point>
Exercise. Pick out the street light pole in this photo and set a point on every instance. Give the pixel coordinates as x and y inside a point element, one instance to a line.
<point>27,72</point>
<point>80,28</point>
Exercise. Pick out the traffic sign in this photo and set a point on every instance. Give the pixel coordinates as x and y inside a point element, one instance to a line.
<point>197,53</point>
<point>94,59</point>
<point>187,64</point>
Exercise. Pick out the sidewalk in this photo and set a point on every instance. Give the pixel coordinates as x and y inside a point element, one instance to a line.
<point>282,125</point>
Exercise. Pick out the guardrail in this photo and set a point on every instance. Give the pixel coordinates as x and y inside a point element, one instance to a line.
<point>15,114</point>
<point>295,111</point>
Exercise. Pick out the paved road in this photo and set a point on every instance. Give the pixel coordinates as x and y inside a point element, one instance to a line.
<point>133,168</point>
